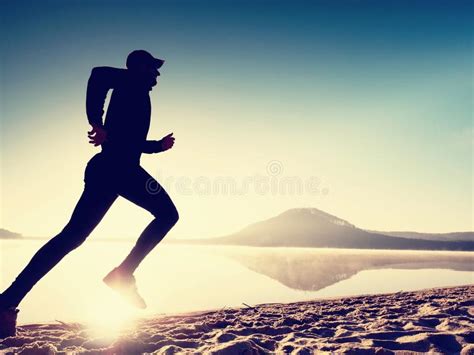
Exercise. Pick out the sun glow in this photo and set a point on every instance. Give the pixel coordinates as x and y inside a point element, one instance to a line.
<point>110,315</point>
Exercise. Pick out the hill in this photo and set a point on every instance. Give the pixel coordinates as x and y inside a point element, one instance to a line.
<point>6,234</point>
<point>310,227</point>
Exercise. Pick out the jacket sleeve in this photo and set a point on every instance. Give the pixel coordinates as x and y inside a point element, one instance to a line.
<point>101,80</point>
<point>150,147</point>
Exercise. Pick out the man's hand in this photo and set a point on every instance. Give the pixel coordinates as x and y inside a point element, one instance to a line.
<point>167,142</point>
<point>97,135</point>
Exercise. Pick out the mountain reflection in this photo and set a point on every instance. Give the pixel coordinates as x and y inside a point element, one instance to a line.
<point>312,270</point>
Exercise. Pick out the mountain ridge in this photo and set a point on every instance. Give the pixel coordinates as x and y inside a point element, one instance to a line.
<point>311,227</point>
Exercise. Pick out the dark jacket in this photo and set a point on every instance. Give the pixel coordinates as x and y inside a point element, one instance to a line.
<point>128,115</point>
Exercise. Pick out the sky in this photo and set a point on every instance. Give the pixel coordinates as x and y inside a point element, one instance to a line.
<point>362,109</point>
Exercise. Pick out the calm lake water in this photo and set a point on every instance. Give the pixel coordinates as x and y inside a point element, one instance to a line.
<point>179,278</point>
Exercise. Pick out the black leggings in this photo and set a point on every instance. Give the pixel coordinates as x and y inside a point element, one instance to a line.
<point>104,182</point>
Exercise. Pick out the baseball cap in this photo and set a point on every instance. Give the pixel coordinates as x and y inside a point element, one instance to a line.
<point>140,56</point>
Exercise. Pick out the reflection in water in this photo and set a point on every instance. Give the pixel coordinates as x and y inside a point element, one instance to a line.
<point>192,278</point>
<point>313,269</point>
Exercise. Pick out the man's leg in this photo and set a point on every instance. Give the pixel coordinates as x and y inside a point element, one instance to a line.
<point>143,190</point>
<point>88,212</point>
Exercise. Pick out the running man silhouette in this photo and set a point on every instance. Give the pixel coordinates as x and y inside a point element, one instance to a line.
<point>112,172</point>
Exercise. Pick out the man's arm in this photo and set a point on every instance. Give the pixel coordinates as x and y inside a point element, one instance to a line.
<point>150,147</point>
<point>102,79</point>
<point>163,144</point>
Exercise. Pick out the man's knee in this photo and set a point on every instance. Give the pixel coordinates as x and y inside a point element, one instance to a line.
<point>174,216</point>
<point>171,216</point>
<point>167,214</point>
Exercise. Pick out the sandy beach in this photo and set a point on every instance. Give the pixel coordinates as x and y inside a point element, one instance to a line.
<point>437,320</point>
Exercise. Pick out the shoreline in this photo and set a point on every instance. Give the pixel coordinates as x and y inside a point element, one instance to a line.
<point>435,320</point>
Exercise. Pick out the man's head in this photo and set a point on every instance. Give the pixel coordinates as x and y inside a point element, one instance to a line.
<point>143,64</point>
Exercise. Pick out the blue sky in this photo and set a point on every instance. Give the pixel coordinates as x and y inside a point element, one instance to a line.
<point>373,98</point>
